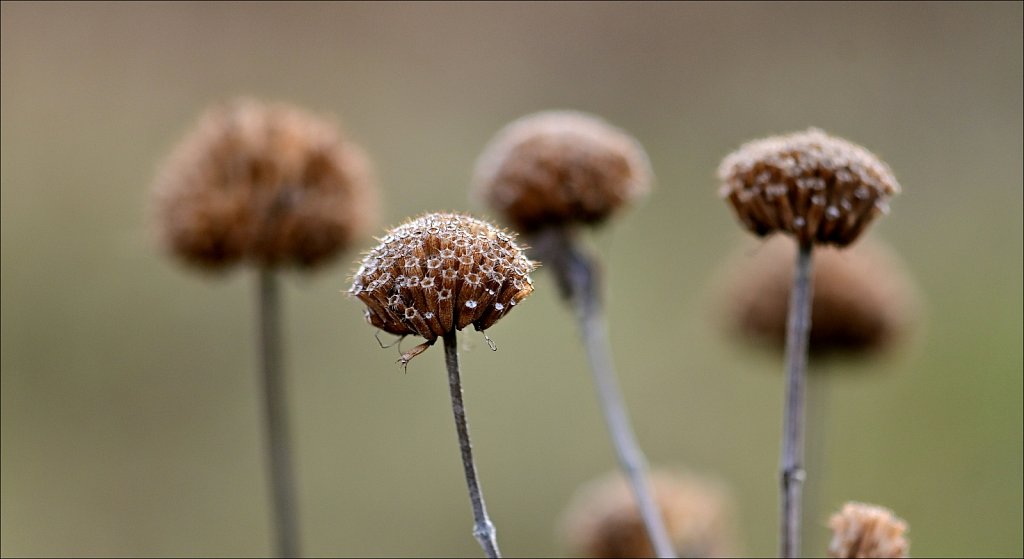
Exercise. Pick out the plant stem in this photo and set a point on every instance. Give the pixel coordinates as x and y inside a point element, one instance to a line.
<point>278,443</point>
<point>577,275</point>
<point>797,334</point>
<point>483,529</point>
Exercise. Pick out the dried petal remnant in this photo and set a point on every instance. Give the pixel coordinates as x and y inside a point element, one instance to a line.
<point>863,299</point>
<point>603,520</point>
<point>560,167</point>
<point>269,184</point>
<point>442,272</point>
<point>867,531</point>
<point>816,187</point>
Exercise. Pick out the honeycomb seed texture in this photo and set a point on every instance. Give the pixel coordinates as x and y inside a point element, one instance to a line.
<point>866,531</point>
<point>816,187</point>
<point>559,168</point>
<point>268,184</point>
<point>441,272</point>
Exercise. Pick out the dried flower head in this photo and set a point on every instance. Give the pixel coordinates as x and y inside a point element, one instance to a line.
<point>603,520</point>
<point>867,531</point>
<point>560,167</point>
<point>816,187</point>
<point>441,272</point>
<point>863,299</point>
<point>268,184</point>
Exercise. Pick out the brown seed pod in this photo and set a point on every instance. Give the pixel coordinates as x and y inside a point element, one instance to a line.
<point>442,272</point>
<point>818,188</point>
<point>602,521</point>
<point>866,531</point>
<point>559,168</point>
<point>268,184</point>
<point>863,300</point>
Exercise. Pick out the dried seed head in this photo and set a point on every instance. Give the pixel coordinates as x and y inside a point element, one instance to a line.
<point>867,531</point>
<point>603,521</point>
<point>559,168</point>
<point>863,299</point>
<point>268,184</point>
<point>442,272</point>
<point>818,188</point>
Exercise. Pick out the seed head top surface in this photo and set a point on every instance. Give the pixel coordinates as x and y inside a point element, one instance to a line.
<point>269,184</point>
<point>816,187</point>
<point>603,521</point>
<point>861,530</point>
<point>559,168</point>
<point>442,272</point>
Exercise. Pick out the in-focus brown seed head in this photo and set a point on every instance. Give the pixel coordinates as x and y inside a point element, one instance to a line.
<point>866,531</point>
<point>602,521</point>
<point>863,302</point>
<point>442,272</point>
<point>268,184</point>
<point>816,187</point>
<point>560,168</point>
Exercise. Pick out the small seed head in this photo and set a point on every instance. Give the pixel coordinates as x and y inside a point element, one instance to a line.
<point>818,188</point>
<point>866,531</point>
<point>268,184</point>
<point>560,168</point>
<point>603,521</point>
<point>863,301</point>
<point>441,272</point>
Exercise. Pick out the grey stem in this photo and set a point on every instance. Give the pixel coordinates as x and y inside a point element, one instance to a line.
<point>483,529</point>
<point>278,443</point>
<point>577,275</point>
<point>797,333</point>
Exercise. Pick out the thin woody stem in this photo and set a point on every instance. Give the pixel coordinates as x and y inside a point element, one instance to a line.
<point>797,334</point>
<point>278,443</point>
<point>577,276</point>
<point>483,529</point>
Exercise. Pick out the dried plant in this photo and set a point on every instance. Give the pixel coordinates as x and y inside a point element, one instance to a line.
<point>547,174</point>
<point>269,185</point>
<point>435,275</point>
<point>603,521</point>
<point>821,190</point>
<point>863,531</point>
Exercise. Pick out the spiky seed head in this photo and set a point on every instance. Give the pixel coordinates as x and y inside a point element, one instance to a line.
<point>268,184</point>
<point>864,301</point>
<point>442,272</point>
<point>866,531</point>
<point>603,521</point>
<point>816,187</point>
<point>560,168</point>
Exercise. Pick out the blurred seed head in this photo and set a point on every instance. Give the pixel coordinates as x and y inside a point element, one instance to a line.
<point>603,521</point>
<point>269,184</point>
<point>864,301</point>
<point>866,531</point>
<point>440,272</point>
<point>816,187</point>
<point>560,168</point>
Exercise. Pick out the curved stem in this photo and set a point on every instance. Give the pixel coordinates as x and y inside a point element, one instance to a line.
<point>797,334</point>
<point>577,276</point>
<point>483,529</point>
<point>278,443</point>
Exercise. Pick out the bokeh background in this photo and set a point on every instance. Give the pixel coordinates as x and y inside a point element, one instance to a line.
<point>130,423</point>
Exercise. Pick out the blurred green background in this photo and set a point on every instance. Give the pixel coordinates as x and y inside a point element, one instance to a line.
<point>130,422</point>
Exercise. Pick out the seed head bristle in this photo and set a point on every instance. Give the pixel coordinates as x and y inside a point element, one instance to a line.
<point>864,301</point>
<point>866,531</point>
<point>442,272</point>
<point>558,168</point>
<point>816,187</point>
<point>265,183</point>
<point>603,521</point>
